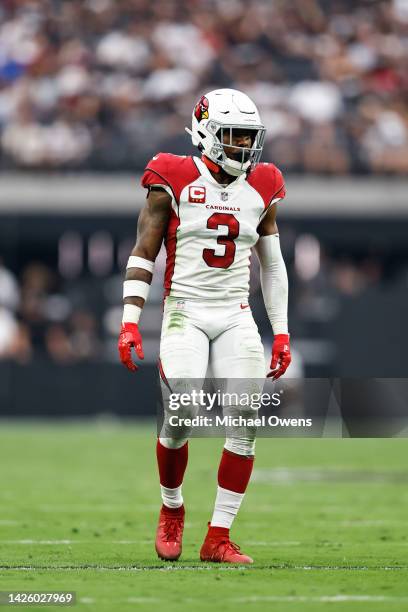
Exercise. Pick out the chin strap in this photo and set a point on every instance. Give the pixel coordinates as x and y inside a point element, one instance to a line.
<point>210,164</point>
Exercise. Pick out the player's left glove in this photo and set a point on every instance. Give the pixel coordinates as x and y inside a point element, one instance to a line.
<point>130,337</point>
<point>281,357</point>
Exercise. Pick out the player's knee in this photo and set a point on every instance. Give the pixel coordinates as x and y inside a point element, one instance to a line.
<point>173,443</point>
<point>176,431</point>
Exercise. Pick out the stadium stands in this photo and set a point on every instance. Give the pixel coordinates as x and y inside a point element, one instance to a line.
<point>104,84</point>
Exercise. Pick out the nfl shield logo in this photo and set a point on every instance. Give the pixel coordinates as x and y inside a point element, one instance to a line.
<point>224,196</point>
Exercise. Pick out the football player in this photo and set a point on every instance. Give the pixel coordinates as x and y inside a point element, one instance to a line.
<point>210,211</point>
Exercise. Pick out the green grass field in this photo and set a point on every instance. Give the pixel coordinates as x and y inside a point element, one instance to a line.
<point>325,520</point>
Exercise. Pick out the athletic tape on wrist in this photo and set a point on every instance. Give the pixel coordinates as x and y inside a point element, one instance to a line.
<point>140,262</point>
<point>131,313</point>
<point>280,328</point>
<point>135,288</point>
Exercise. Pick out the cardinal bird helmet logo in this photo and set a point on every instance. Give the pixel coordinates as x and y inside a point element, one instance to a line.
<point>201,109</point>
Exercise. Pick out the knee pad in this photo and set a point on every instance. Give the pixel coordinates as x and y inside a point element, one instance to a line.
<point>240,439</point>
<point>173,429</point>
<point>240,446</point>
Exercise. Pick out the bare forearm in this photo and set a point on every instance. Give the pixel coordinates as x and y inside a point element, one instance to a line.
<point>151,229</point>
<point>152,226</point>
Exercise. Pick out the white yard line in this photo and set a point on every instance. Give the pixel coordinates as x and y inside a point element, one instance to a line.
<point>370,523</point>
<point>86,600</point>
<point>319,599</point>
<point>164,568</point>
<point>265,599</point>
<point>133,542</point>
<point>89,508</point>
<point>143,600</point>
<point>332,523</point>
<point>100,540</point>
<point>69,542</point>
<point>173,567</point>
<point>12,542</point>
<point>274,543</point>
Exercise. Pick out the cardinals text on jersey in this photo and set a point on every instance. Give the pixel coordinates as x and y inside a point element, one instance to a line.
<point>212,227</point>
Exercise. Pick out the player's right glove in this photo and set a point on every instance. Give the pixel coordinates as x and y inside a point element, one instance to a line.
<point>130,337</point>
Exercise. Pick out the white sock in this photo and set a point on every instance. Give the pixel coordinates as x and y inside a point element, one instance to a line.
<point>172,498</point>
<point>226,507</point>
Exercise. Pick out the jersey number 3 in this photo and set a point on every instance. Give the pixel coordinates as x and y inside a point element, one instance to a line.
<point>222,261</point>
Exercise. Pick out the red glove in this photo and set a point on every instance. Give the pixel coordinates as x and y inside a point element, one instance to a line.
<point>280,356</point>
<point>130,337</point>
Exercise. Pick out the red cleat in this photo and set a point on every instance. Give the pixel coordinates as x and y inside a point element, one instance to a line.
<point>169,533</point>
<point>218,548</point>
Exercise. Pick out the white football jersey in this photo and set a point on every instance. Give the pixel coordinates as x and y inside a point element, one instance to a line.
<point>212,226</point>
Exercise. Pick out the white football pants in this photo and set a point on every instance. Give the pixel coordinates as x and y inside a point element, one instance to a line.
<point>223,336</point>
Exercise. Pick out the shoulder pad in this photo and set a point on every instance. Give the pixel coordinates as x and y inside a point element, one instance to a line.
<point>175,171</point>
<point>268,181</point>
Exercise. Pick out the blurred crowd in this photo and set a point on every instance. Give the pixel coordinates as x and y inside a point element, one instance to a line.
<point>37,320</point>
<point>45,314</point>
<point>104,84</point>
